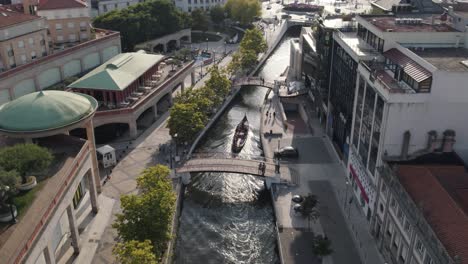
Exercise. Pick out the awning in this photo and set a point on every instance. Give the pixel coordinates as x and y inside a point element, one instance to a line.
<point>409,66</point>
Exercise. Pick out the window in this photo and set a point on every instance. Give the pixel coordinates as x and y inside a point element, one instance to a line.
<point>82,24</point>
<point>393,203</point>
<point>72,37</point>
<point>428,260</point>
<point>381,207</point>
<point>23,58</point>
<point>33,55</point>
<point>390,229</point>
<point>84,36</point>
<point>190,9</point>
<point>396,241</point>
<point>190,2</point>
<point>78,196</point>
<point>20,44</point>
<point>12,62</point>
<point>31,41</point>
<point>58,26</point>
<point>195,1</point>
<point>59,38</point>
<point>401,217</point>
<point>420,247</point>
<point>71,25</point>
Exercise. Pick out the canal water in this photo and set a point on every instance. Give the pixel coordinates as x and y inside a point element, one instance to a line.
<point>228,217</point>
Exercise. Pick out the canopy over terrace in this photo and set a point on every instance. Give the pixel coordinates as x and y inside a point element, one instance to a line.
<point>116,80</point>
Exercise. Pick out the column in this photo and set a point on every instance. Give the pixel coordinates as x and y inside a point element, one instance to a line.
<point>171,99</point>
<point>62,73</point>
<point>82,65</point>
<point>178,43</point>
<point>155,111</point>
<point>165,47</point>
<point>182,86</point>
<point>133,129</point>
<point>95,169</point>
<point>75,236</point>
<point>92,192</point>
<point>192,78</point>
<point>101,56</point>
<point>11,91</point>
<point>49,255</point>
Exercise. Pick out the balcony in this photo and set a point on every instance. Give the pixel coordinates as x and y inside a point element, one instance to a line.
<point>379,74</point>
<point>358,48</point>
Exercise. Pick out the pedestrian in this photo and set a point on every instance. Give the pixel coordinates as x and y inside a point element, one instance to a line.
<point>268,111</point>
<point>274,115</point>
<point>260,168</point>
<point>269,116</point>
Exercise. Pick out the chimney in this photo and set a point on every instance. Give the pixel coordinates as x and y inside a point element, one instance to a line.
<point>431,141</point>
<point>448,140</point>
<point>405,146</point>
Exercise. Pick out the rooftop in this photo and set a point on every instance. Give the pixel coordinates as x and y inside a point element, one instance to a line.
<point>119,72</point>
<point>60,4</point>
<point>359,46</point>
<point>446,59</point>
<point>418,24</point>
<point>14,239</point>
<point>442,194</point>
<point>9,17</point>
<point>47,110</point>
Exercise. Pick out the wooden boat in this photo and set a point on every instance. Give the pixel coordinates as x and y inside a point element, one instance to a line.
<point>240,135</point>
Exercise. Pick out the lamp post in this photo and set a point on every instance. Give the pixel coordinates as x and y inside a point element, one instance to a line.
<point>206,44</point>
<point>346,195</point>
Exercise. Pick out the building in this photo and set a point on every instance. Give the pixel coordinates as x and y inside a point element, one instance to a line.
<point>130,84</point>
<point>68,199</point>
<point>407,6</point>
<point>68,21</point>
<point>316,46</point>
<point>105,6</point>
<point>22,38</point>
<point>190,5</point>
<point>55,68</point>
<point>423,209</point>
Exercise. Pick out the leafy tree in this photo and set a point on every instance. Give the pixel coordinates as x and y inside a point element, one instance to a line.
<point>25,159</point>
<point>144,21</point>
<point>308,208</point>
<point>217,14</point>
<point>253,41</point>
<point>243,11</point>
<point>201,97</point>
<point>134,252</point>
<point>199,20</point>
<point>185,121</point>
<point>184,54</point>
<point>148,216</point>
<point>219,84</point>
<point>8,181</point>
<point>322,246</point>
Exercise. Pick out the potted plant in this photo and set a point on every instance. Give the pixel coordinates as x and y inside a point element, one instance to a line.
<point>8,181</point>
<point>25,159</point>
<point>322,246</point>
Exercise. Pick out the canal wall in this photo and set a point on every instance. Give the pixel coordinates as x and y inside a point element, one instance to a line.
<point>169,255</point>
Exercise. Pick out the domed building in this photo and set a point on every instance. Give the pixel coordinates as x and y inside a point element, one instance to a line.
<point>50,224</point>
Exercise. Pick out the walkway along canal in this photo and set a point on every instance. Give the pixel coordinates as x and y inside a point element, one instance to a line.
<point>226,217</point>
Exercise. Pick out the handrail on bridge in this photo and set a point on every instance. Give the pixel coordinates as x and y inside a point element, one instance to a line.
<point>228,155</point>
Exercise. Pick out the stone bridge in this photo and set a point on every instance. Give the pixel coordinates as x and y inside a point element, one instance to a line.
<point>162,43</point>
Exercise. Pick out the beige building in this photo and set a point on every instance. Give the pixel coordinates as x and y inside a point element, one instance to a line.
<point>68,21</point>
<point>22,38</point>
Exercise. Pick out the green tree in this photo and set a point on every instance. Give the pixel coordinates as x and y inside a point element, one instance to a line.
<point>322,246</point>
<point>148,216</point>
<point>134,252</point>
<point>8,181</point>
<point>144,21</point>
<point>243,11</point>
<point>309,208</point>
<point>25,159</point>
<point>219,84</point>
<point>201,97</point>
<point>185,121</point>
<point>217,14</point>
<point>199,20</point>
<point>253,41</point>
<point>184,54</point>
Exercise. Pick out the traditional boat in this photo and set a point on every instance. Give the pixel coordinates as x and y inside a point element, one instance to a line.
<point>240,135</point>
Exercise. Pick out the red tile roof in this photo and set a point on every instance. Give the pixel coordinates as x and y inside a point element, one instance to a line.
<point>412,68</point>
<point>60,4</point>
<point>442,193</point>
<point>8,17</point>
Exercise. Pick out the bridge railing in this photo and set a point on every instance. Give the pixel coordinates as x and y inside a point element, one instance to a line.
<point>228,155</point>
<point>253,81</point>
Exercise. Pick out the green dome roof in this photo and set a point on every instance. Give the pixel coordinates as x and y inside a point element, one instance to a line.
<point>45,110</point>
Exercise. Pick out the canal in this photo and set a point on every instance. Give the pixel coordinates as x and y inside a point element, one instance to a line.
<point>227,217</point>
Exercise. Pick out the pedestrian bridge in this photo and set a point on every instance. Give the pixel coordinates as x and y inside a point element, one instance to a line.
<point>233,163</point>
<point>253,81</point>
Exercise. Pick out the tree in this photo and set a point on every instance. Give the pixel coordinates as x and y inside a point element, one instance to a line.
<point>199,20</point>
<point>322,246</point>
<point>217,14</point>
<point>308,208</point>
<point>144,21</point>
<point>8,181</point>
<point>25,159</point>
<point>219,84</point>
<point>184,54</point>
<point>185,121</point>
<point>134,252</point>
<point>201,97</point>
<point>148,216</point>
<point>253,41</point>
<point>243,11</point>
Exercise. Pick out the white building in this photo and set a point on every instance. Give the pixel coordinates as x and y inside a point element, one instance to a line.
<point>190,5</point>
<point>105,6</point>
<point>409,100</point>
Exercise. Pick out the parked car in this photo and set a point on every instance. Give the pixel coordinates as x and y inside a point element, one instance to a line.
<point>287,152</point>
<point>297,198</point>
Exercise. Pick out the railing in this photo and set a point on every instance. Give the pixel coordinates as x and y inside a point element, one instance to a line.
<point>147,97</point>
<point>70,172</point>
<point>228,155</point>
<point>253,81</point>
